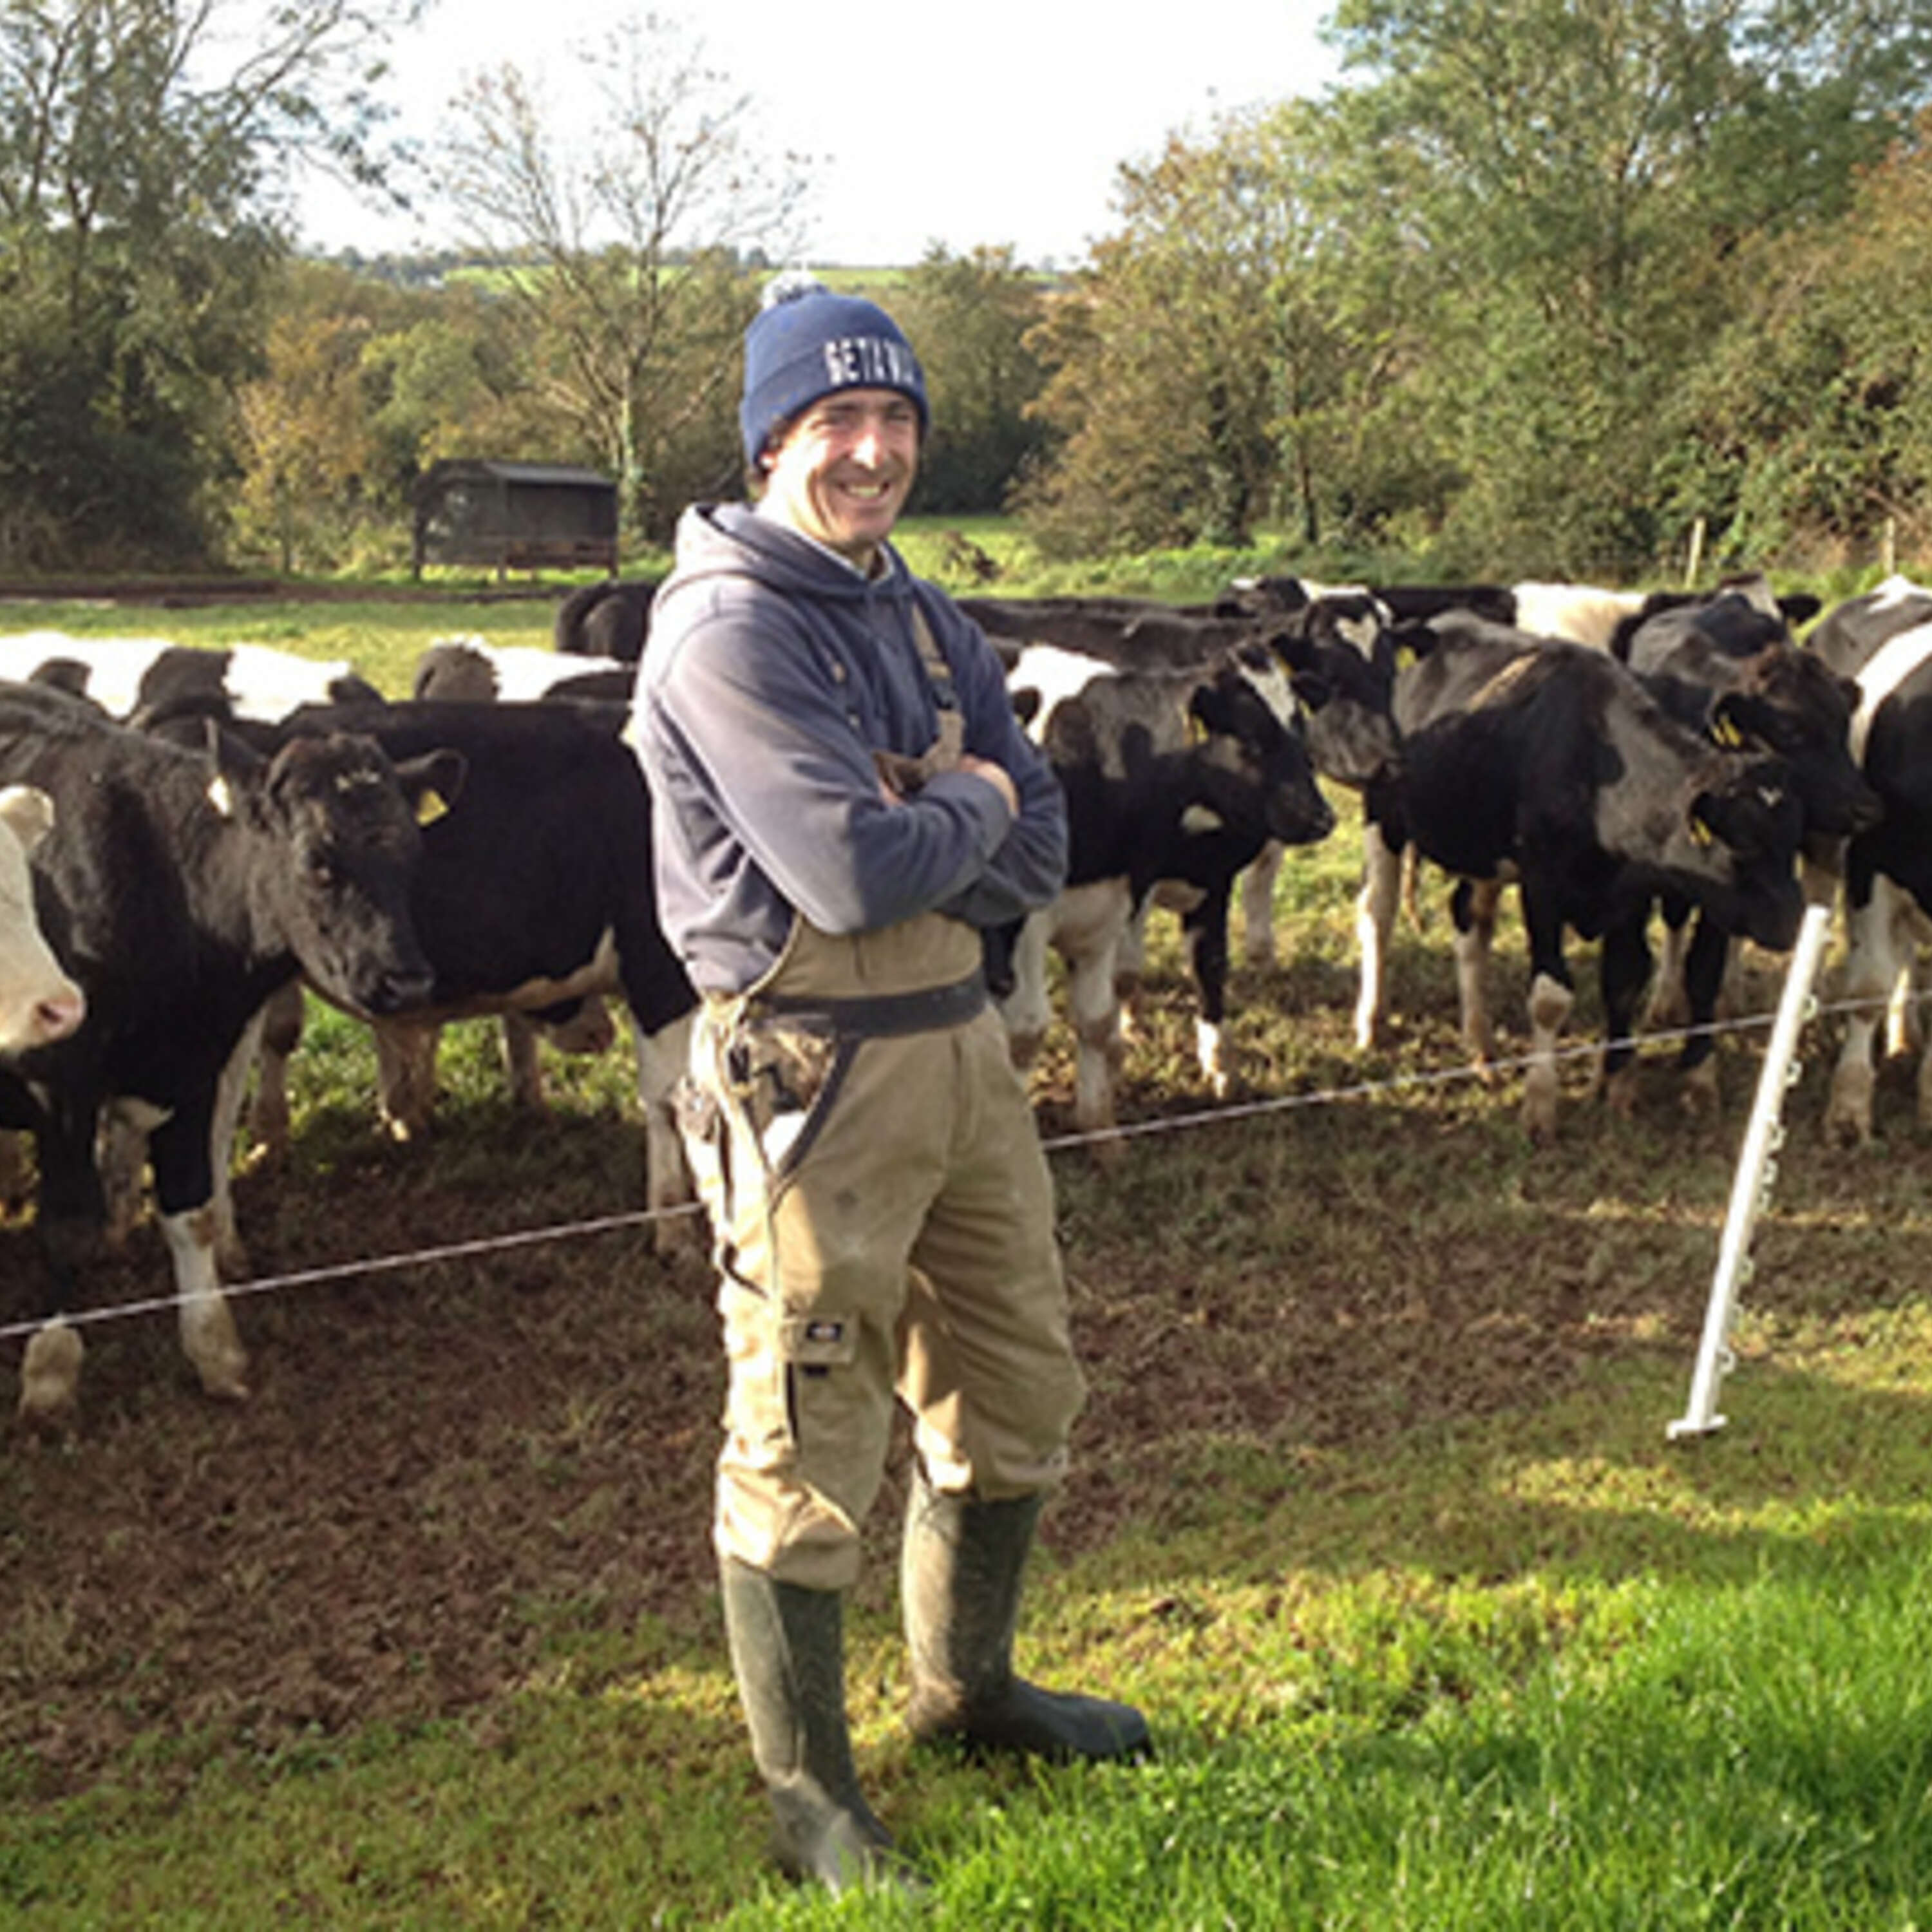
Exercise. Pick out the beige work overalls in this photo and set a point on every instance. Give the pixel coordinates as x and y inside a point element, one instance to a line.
<point>883,1220</point>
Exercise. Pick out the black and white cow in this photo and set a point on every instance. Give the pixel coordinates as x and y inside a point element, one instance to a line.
<point>1548,764</point>
<point>1174,779</point>
<point>181,891</point>
<point>474,671</point>
<point>1883,641</point>
<point>131,678</point>
<point>1727,666</point>
<point>39,1004</point>
<point>609,619</point>
<point>538,892</point>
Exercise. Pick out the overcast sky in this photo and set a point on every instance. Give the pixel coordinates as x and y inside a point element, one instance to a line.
<point>996,122</point>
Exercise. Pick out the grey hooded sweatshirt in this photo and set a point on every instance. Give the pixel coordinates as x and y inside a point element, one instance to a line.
<point>773,672</point>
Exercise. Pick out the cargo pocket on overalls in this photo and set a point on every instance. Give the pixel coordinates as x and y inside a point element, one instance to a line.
<point>787,1070</point>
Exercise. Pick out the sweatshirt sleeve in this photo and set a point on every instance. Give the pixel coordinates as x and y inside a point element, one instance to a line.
<point>1029,865</point>
<point>763,733</point>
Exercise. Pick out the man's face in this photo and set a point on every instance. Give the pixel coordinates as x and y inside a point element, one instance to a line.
<point>841,472</point>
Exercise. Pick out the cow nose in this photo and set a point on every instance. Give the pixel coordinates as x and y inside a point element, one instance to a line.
<point>59,1014</point>
<point>399,989</point>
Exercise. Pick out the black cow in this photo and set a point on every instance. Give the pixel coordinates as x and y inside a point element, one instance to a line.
<point>539,892</point>
<point>1726,665</point>
<point>181,891</point>
<point>1549,764</point>
<point>1174,780</point>
<point>1883,640</point>
<point>609,619</point>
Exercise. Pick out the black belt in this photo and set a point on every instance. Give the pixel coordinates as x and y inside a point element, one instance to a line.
<point>881,1015</point>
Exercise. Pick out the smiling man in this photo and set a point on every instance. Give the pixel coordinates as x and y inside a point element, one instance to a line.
<point>842,801</point>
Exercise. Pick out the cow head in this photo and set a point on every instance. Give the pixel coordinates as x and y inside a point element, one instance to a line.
<point>1340,657</point>
<point>38,1002</point>
<point>1742,828</point>
<point>1254,770</point>
<point>336,836</point>
<point>1789,705</point>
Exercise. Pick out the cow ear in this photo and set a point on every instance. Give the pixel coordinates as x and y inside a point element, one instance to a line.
<point>432,783</point>
<point>235,761</point>
<point>1204,712</point>
<point>1409,644</point>
<point>28,813</point>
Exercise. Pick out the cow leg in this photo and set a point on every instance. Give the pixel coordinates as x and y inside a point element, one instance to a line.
<point>1706,968</point>
<point>1129,965</point>
<point>1258,905</point>
<point>1376,908</point>
<point>521,1068</point>
<point>121,1158</point>
<point>1472,905</point>
<point>1871,970</point>
<point>280,1034</point>
<point>1027,1011</point>
<point>231,1095</point>
<point>663,1056</point>
<point>1091,953</point>
<point>1206,928</point>
<point>1670,1005</point>
<point>184,1194</point>
<point>69,1212</point>
<point>1623,972</point>
<point>1551,997</point>
<point>406,1075</point>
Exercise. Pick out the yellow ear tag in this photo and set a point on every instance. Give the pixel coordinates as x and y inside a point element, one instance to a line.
<point>1724,730</point>
<point>1700,831</point>
<point>1406,655</point>
<point>429,808</point>
<point>1197,731</point>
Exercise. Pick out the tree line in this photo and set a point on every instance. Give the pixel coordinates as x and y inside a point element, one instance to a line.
<point>1534,286</point>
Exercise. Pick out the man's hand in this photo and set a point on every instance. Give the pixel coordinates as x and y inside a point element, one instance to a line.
<point>995,776</point>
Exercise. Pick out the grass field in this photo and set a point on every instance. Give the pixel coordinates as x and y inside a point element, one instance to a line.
<point>1374,1508</point>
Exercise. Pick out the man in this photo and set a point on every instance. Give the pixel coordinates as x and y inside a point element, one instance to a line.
<point>843,801</point>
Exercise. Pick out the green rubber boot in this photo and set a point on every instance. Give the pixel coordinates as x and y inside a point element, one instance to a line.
<point>960,1581</point>
<point>788,1651</point>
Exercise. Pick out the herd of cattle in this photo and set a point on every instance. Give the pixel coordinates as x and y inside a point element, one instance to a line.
<point>190,838</point>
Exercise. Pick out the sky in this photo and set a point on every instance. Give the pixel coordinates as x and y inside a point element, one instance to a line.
<point>997,122</point>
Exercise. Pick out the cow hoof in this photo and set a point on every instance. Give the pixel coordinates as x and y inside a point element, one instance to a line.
<point>50,1380</point>
<point>211,1343</point>
<point>1698,1097</point>
<point>1619,1093</point>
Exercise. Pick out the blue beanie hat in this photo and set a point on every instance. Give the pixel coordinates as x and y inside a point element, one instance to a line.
<point>805,342</point>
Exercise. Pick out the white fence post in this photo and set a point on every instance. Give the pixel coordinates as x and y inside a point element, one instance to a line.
<point>1751,1186</point>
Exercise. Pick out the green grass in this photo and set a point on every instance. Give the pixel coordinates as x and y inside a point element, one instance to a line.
<point>1436,1627</point>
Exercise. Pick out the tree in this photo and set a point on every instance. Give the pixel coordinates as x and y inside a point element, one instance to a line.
<point>970,316</point>
<point>144,147</point>
<point>1588,173</point>
<point>1201,377</point>
<point>622,248</point>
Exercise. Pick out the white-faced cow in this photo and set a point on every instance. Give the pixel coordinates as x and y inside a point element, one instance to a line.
<point>180,893</point>
<point>1549,764</point>
<point>39,1004</point>
<point>1883,640</point>
<point>1174,779</point>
